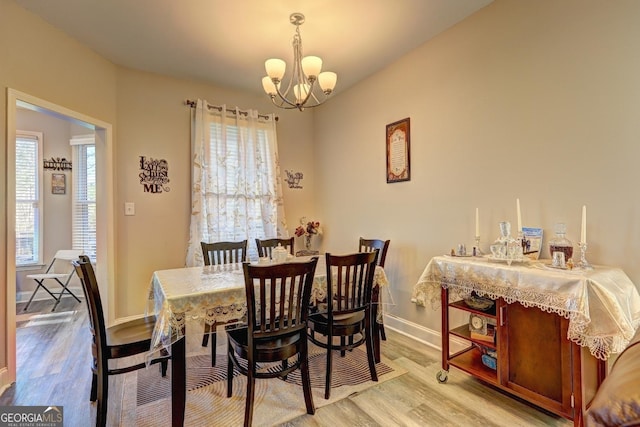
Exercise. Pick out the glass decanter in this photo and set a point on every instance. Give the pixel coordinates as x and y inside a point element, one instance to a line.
<point>560,243</point>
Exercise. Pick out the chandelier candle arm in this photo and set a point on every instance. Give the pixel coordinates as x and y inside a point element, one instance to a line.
<point>306,72</point>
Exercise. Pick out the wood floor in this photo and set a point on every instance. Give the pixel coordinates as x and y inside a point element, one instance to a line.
<point>54,358</point>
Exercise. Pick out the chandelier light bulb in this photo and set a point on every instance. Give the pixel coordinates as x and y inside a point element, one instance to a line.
<point>275,68</point>
<point>300,89</point>
<point>268,86</point>
<point>327,80</point>
<point>311,66</point>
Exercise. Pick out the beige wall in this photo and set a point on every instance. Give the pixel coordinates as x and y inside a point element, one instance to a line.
<point>47,64</point>
<point>154,122</point>
<point>537,100</point>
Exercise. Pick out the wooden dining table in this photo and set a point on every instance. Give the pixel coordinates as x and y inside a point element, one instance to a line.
<point>215,295</point>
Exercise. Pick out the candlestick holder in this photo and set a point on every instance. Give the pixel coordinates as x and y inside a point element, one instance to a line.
<point>583,263</point>
<point>478,250</point>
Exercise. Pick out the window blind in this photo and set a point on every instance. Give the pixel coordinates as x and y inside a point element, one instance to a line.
<point>84,196</point>
<point>28,199</point>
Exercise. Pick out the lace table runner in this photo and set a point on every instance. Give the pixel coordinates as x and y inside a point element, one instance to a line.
<point>602,305</point>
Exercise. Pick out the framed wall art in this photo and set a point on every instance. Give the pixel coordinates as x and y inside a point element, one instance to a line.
<point>58,183</point>
<point>398,138</point>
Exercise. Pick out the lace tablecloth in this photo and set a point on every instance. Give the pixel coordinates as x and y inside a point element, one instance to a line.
<point>214,294</point>
<point>602,305</point>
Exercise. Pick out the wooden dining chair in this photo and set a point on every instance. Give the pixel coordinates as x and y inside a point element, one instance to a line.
<point>368,245</point>
<point>348,314</point>
<point>266,246</point>
<point>122,340</point>
<point>277,311</point>
<point>217,253</point>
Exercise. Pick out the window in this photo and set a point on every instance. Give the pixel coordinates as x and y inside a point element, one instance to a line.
<point>84,195</point>
<point>28,198</point>
<point>236,192</point>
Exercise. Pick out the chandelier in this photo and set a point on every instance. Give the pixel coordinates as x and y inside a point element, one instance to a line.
<point>301,91</point>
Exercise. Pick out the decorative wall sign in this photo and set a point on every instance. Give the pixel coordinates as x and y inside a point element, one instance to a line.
<point>58,183</point>
<point>293,179</point>
<point>154,175</point>
<point>398,164</point>
<point>57,164</point>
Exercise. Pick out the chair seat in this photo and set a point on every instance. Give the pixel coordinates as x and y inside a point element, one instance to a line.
<point>137,330</point>
<point>339,319</point>
<point>48,276</point>
<point>273,350</point>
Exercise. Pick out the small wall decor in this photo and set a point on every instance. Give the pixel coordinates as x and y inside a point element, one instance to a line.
<point>154,175</point>
<point>398,164</point>
<point>58,183</point>
<point>293,179</point>
<point>57,163</point>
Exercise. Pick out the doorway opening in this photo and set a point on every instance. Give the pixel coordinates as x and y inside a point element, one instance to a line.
<point>104,250</point>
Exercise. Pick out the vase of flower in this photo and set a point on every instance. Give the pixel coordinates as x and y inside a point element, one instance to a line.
<point>308,229</point>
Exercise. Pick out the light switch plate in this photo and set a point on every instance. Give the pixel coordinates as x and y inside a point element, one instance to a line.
<point>129,208</point>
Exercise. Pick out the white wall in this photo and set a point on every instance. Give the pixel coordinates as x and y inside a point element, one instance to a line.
<point>537,100</point>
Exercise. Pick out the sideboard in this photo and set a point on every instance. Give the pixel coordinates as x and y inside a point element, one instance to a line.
<point>553,329</point>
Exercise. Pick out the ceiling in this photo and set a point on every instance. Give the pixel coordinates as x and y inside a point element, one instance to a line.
<point>225,42</point>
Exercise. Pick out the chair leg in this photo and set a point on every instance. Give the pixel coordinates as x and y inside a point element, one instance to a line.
<point>229,371</point>
<point>163,368</point>
<point>306,379</point>
<point>213,347</point>
<point>251,386</point>
<point>370,350</point>
<point>94,387</point>
<point>103,397</point>
<point>327,383</point>
<point>61,294</point>
<point>40,285</point>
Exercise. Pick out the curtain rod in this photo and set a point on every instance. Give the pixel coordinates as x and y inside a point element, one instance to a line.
<point>192,104</point>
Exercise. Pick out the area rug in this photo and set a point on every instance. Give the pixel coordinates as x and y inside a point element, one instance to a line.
<point>147,395</point>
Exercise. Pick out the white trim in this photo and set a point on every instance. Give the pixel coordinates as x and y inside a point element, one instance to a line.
<point>105,271</point>
<point>23,296</point>
<point>424,335</point>
<point>83,140</point>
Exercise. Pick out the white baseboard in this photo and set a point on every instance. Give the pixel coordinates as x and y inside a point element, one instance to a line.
<point>427,336</point>
<point>24,296</point>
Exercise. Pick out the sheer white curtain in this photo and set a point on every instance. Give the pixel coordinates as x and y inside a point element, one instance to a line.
<point>236,190</point>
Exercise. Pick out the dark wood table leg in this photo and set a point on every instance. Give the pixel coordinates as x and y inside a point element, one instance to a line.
<point>178,381</point>
<point>375,298</point>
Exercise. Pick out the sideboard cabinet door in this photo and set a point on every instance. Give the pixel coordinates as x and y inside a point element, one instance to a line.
<point>537,357</point>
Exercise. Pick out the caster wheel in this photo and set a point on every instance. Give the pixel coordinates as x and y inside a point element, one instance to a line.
<point>442,376</point>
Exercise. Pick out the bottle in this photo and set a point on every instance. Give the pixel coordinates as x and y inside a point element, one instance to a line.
<point>560,243</point>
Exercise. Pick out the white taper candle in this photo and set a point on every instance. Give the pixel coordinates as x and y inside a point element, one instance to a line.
<point>583,229</point>
<point>519,216</point>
